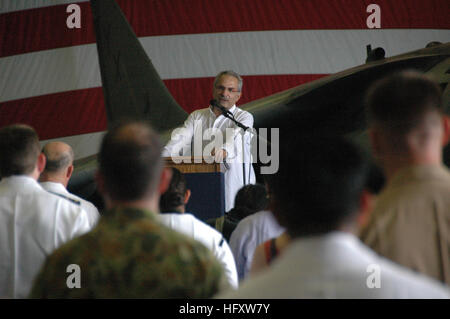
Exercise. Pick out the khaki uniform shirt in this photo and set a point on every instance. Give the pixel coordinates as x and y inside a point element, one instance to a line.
<point>410,223</point>
<point>130,255</point>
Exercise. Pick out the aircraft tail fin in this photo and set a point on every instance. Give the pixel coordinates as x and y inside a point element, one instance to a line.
<point>132,87</point>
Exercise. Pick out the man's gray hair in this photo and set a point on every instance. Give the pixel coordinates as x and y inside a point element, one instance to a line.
<point>57,162</point>
<point>233,74</point>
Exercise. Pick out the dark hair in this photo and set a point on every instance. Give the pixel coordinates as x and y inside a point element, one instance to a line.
<point>375,180</point>
<point>19,150</point>
<point>318,184</point>
<point>173,197</point>
<point>130,160</point>
<point>400,101</point>
<point>250,199</point>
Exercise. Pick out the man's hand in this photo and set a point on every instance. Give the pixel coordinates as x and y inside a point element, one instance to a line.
<point>219,155</point>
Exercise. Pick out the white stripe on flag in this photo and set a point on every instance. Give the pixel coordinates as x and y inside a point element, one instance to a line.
<point>19,5</point>
<point>202,55</point>
<point>83,145</point>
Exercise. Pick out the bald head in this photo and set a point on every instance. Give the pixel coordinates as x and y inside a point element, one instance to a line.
<point>130,161</point>
<point>59,165</point>
<point>59,156</point>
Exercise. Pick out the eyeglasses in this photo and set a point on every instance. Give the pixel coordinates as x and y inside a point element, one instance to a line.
<point>222,88</point>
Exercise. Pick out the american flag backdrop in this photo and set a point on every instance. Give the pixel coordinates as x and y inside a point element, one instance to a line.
<point>50,76</point>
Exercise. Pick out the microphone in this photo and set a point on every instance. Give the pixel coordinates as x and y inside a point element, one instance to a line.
<point>225,112</point>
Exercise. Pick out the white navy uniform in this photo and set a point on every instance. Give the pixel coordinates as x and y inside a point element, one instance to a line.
<point>199,121</point>
<point>59,189</point>
<point>191,226</point>
<point>336,265</point>
<point>33,223</point>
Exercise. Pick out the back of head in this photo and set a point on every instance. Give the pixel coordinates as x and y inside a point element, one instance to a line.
<point>250,199</point>
<point>59,156</point>
<point>400,102</point>
<point>19,150</point>
<point>174,196</point>
<point>318,185</point>
<point>130,161</point>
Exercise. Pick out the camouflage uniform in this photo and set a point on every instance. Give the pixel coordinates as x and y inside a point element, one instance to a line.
<point>131,255</point>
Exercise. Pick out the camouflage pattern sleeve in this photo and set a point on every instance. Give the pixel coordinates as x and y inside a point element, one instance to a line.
<point>127,257</point>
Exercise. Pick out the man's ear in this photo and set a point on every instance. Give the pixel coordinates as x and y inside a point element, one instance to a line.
<point>41,161</point>
<point>445,129</point>
<point>239,97</point>
<point>69,172</point>
<point>187,195</point>
<point>164,181</point>
<point>366,203</point>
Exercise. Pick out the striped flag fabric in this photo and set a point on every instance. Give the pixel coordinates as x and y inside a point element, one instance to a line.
<point>50,76</point>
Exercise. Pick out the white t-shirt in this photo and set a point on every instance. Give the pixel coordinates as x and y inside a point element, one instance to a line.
<point>250,232</point>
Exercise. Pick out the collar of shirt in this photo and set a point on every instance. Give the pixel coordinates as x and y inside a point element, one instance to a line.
<point>232,109</point>
<point>55,187</point>
<point>419,173</point>
<point>176,215</point>
<point>17,182</point>
<point>127,214</point>
<point>322,246</point>
<point>172,212</point>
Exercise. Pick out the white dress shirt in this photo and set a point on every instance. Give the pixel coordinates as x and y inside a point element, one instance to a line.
<point>336,265</point>
<point>183,143</point>
<point>33,223</point>
<point>58,188</point>
<point>248,234</point>
<point>208,236</point>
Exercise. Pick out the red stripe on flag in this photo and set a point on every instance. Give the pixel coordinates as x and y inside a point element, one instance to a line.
<point>45,28</point>
<point>83,111</point>
<point>196,93</point>
<point>59,114</point>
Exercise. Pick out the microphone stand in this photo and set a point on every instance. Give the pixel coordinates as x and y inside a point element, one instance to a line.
<point>230,115</point>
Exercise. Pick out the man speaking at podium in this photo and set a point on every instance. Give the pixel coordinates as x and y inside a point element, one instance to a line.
<point>231,145</point>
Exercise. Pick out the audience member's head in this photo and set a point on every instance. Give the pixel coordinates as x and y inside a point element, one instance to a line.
<point>130,165</point>
<point>59,164</point>
<point>250,199</point>
<point>406,121</point>
<point>229,73</point>
<point>20,151</point>
<point>227,88</point>
<point>175,198</point>
<point>321,190</point>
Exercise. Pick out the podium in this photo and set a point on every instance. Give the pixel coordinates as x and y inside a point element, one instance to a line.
<point>206,182</point>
